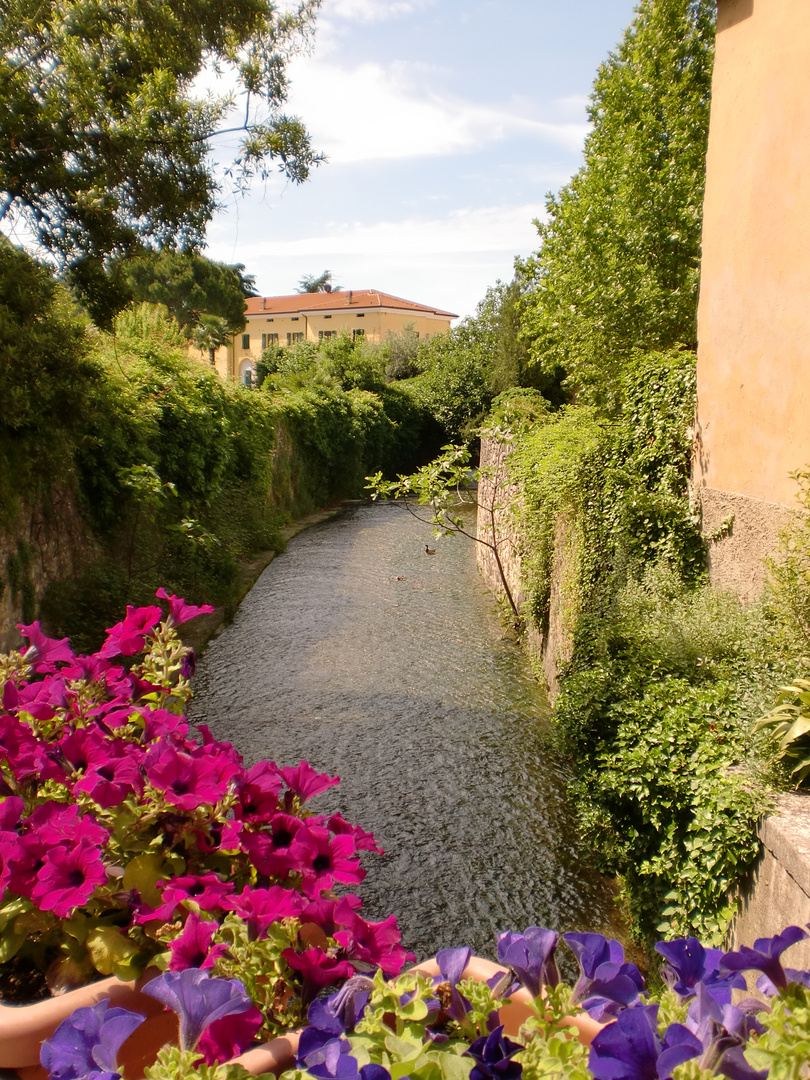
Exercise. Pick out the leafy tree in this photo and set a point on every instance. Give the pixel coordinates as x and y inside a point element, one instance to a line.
<point>102,144</point>
<point>309,283</point>
<point>190,286</point>
<point>618,266</point>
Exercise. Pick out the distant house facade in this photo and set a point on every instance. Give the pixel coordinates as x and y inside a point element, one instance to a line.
<point>282,321</point>
<point>753,366</point>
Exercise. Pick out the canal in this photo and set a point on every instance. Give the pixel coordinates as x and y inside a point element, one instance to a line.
<point>375,661</point>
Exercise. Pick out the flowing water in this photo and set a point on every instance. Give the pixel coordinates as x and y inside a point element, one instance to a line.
<point>360,653</point>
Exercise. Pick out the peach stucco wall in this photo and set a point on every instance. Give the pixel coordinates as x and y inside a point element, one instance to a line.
<point>754,312</point>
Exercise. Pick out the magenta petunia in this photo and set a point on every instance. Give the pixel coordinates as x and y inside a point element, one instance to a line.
<point>207,890</point>
<point>324,859</point>
<point>109,782</point>
<point>57,823</point>
<point>258,793</point>
<point>363,841</point>
<point>42,699</point>
<point>68,877</point>
<point>44,653</point>
<point>270,850</point>
<point>330,914</point>
<point>229,1036</point>
<point>375,943</point>
<point>260,908</point>
<point>305,782</point>
<point>192,948</point>
<point>84,747</point>
<point>23,751</point>
<point>188,779</point>
<point>179,611</point>
<point>318,970</point>
<point>129,636</point>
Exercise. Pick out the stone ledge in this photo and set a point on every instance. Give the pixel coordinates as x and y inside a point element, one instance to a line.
<point>777,892</point>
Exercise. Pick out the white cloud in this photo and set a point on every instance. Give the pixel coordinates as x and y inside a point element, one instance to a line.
<point>372,10</point>
<point>371,112</point>
<point>480,229</point>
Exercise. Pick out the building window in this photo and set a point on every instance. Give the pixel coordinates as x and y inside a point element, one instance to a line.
<point>327,316</point>
<point>298,337</point>
<point>245,341</point>
<point>264,342</point>
<point>272,339</point>
<point>293,318</point>
<point>324,335</point>
<point>358,335</point>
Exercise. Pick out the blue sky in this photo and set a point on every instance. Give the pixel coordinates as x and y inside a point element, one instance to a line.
<point>445,124</point>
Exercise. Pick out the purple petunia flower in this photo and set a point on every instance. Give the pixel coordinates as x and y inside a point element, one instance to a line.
<point>689,963</point>
<point>87,1043</point>
<point>764,956</point>
<point>198,1000</point>
<point>607,985</point>
<point>531,957</point>
<point>723,1030</point>
<point>631,1049</point>
<point>492,1055</point>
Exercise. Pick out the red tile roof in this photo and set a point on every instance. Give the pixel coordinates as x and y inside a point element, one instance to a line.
<point>336,301</point>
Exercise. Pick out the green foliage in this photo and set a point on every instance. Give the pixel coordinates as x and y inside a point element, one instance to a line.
<point>188,285</point>
<point>784,1048</point>
<point>789,723</point>
<point>618,266</point>
<point>104,144</point>
<point>788,588</point>
<point>620,484</point>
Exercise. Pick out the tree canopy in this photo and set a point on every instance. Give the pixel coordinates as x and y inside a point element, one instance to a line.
<point>310,283</point>
<point>618,267</point>
<point>103,141</point>
<point>189,285</point>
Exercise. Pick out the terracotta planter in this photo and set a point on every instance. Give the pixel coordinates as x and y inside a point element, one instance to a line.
<point>23,1028</point>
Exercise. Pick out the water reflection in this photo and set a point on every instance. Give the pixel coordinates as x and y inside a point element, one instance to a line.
<point>360,653</point>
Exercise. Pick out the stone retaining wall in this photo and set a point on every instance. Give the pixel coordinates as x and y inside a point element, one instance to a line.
<point>499,505</point>
<point>777,892</point>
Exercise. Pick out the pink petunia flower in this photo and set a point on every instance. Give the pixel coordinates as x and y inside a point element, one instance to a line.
<point>179,611</point>
<point>68,877</point>
<point>23,751</point>
<point>258,794</point>
<point>363,841</point>
<point>188,779</point>
<point>44,653</point>
<point>129,636</point>
<point>318,970</point>
<point>305,782</point>
<point>323,859</point>
<point>207,890</point>
<point>56,823</point>
<point>270,849</point>
<point>330,914</point>
<point>192,948</point>
<point>109,782</point>
<point>374,943</point>
<point>260,908</point>
<point>229,1036</point>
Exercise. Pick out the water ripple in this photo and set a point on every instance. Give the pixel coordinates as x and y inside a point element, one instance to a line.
<point>360,653</point>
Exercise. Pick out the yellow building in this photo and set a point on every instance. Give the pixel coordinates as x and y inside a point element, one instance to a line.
<point>753,370</point>
<point>286,320</point>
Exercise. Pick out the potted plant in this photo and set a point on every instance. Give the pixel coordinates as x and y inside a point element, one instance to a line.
<point>131,843</point>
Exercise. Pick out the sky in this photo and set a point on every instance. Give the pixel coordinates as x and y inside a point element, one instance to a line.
<point>445,125</point>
